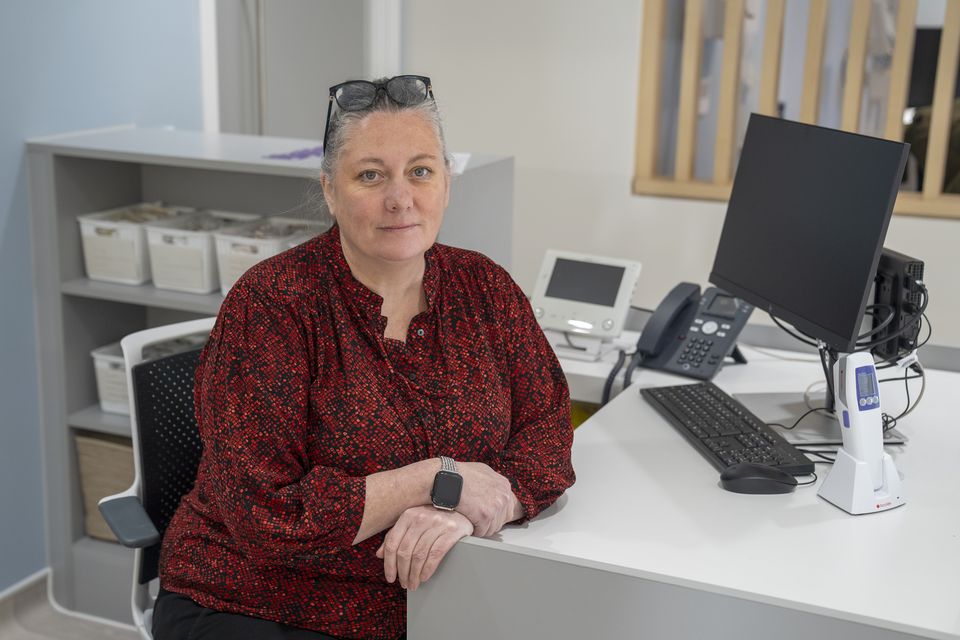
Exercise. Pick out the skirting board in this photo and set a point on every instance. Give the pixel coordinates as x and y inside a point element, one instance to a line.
<point>24,584</point>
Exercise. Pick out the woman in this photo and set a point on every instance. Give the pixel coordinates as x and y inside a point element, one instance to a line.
<point>365,400</point>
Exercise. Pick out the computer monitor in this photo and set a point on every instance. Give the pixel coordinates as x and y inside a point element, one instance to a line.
<point>805,225</point>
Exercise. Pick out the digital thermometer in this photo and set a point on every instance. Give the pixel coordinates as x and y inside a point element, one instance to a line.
<point>858,410</point>
<point>864,478</point>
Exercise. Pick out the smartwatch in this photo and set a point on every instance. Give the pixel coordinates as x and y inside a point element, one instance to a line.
<point>447,485</point>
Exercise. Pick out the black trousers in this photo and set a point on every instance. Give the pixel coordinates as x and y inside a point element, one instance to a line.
<point>177,617</point>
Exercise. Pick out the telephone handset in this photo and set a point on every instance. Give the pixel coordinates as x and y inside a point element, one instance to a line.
<point>690,335</point>
<point>656,332</point>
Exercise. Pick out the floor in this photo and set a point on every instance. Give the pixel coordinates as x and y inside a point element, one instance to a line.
<point>29,616</point>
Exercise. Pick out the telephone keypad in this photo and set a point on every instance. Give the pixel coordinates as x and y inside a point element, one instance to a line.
<point>694,353</point>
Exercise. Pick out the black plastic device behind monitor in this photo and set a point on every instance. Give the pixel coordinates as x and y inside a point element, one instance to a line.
<point>897,285</point>
<point>804,228</point>
<point>805,225</point>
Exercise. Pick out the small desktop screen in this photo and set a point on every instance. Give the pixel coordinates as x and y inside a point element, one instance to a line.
<point>805,225</point>
<point>585,282</point>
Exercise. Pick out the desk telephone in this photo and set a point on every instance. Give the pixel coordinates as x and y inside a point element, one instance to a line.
<point>690,335</point>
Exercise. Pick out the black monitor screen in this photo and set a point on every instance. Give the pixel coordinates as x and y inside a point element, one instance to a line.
<point>585,282</point>
<point>805,224</point>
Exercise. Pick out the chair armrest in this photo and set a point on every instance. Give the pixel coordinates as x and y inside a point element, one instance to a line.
<point>129,521</point>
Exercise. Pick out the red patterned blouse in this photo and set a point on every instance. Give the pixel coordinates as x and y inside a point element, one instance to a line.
<point>299,397</point>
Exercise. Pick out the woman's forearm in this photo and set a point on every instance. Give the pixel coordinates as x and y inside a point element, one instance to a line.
<point>390,493</point>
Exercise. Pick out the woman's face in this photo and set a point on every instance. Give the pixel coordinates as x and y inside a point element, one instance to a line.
<point>390,189</point>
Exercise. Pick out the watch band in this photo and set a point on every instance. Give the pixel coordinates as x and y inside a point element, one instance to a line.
<point>448,464</point>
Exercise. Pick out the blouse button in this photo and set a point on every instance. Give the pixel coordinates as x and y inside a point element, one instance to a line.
<point>420,332</point>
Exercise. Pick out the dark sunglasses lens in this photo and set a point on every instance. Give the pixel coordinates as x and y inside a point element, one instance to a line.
<point>355,95</point>
<point>407,89</point>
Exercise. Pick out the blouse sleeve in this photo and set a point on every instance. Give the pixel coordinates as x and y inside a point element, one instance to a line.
<point>252,395</point>
<point>536,458</point>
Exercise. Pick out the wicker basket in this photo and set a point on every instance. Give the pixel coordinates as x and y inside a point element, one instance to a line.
<point>106,467</point>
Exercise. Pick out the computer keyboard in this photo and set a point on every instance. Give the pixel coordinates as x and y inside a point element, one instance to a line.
<point>722,429</point>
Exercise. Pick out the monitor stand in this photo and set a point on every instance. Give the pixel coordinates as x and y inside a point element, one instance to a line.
<point>818,428</point>
<point>588,348</point>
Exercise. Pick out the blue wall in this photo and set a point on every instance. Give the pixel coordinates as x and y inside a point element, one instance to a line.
<point>67,65</point>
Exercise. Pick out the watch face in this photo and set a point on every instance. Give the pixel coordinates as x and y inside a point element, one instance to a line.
<point>446,490</point>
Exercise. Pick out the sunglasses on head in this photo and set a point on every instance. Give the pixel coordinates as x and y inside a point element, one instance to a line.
<point>357,95</point>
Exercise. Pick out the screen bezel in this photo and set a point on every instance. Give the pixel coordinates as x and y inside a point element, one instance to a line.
<point>556,313</point>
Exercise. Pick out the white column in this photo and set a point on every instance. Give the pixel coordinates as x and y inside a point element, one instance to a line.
<point>209,70</point>
<point>382,34</point>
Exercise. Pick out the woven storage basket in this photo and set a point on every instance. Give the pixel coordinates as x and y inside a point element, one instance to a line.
<point>106,467</point>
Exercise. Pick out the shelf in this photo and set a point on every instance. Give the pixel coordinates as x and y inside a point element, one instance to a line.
<point>95,419</point>
<point>263,155</point>
<point>189,149</point>
<point>144,294</point>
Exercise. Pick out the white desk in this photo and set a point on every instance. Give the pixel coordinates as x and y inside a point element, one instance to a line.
<point>646,543</point>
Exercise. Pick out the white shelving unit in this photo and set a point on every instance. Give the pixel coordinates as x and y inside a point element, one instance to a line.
<point>84,172</point>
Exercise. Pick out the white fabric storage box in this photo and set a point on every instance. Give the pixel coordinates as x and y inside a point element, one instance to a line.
<point>183,255</point>
<point>243,246</point>
<point>115,241</point>
<point>111,377</point>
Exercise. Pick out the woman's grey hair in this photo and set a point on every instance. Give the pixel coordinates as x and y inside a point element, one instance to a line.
<point>343,123</point>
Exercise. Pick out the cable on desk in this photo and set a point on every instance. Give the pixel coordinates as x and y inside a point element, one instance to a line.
<point>907,377</point>
<point>929,330</point>
<point>809,482</point>
<point>798,420</point>
<point>807,400</point>
<point>823,349</point>
<point>608,383</point>
<point>824,458</point>
<point>635,361</point>
<point>889,422</point>
<point>923,387</point>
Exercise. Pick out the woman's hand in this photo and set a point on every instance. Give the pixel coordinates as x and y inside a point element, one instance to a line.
<point>413,548</point>
<point>487,499</point>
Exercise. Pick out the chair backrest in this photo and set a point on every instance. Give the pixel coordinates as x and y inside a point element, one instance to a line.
<point>169,441</point>
<point>166,441</point>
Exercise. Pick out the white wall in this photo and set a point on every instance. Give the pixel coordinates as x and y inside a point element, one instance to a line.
<point>553,82</point>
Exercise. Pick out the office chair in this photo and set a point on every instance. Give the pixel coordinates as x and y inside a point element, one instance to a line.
<point>167,448</point>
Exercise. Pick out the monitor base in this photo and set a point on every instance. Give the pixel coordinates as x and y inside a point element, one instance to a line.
<point>589,349</point>
<point>817,429</point>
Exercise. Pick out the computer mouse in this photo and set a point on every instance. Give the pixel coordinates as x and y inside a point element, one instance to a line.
<point>750,477</point>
